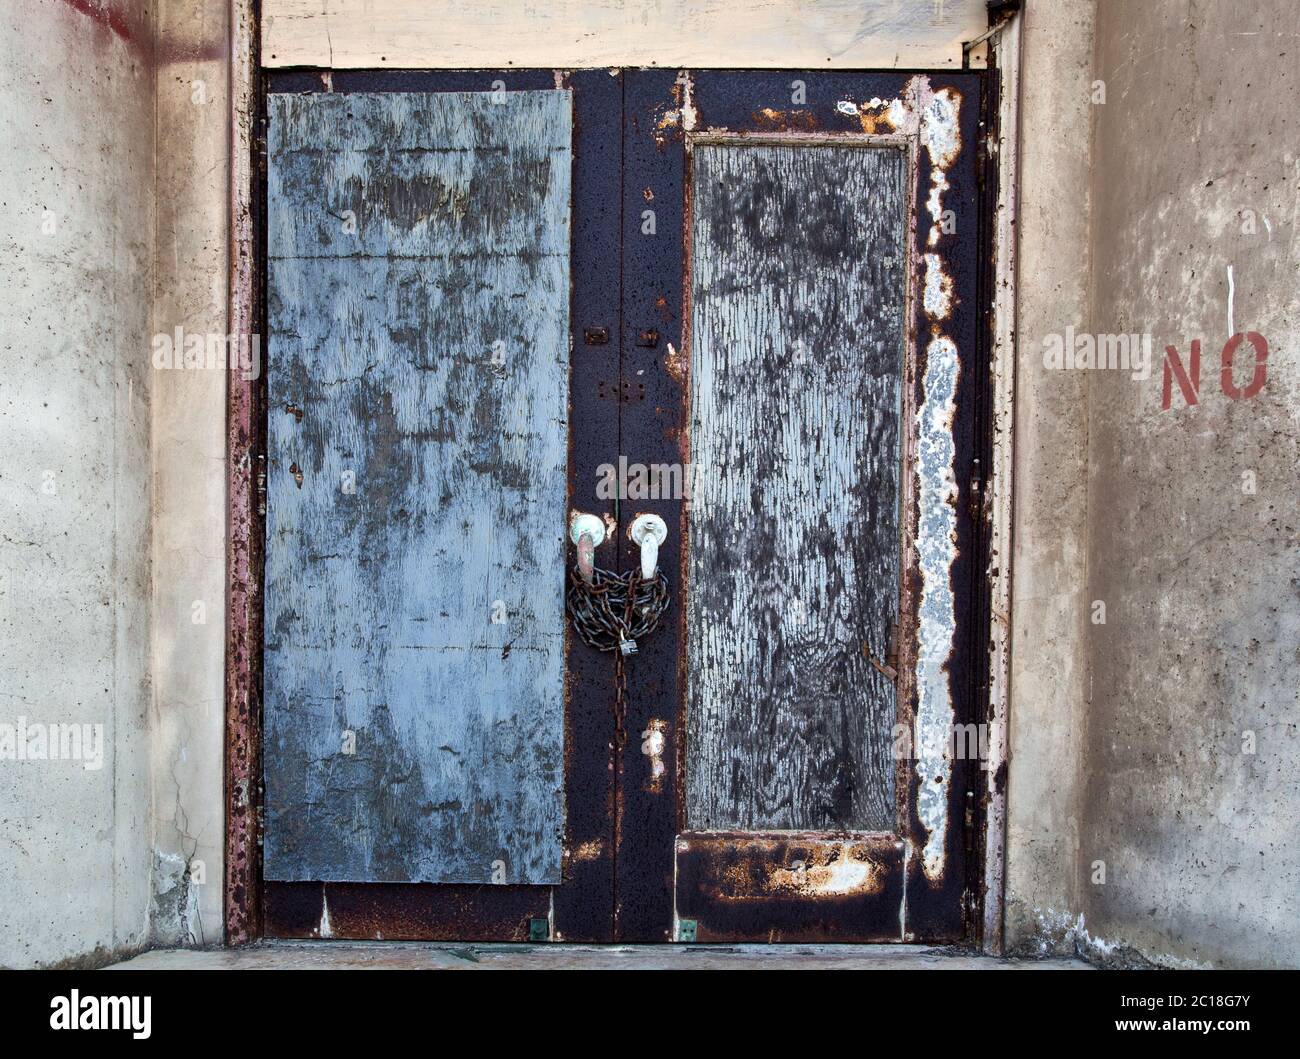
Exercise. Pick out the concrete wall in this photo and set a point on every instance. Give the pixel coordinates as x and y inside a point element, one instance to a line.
<point>1193,753</point>
<point>189,467</point>
<point>1155,773</point>
<point>76,217</point>
<point>1049,605</point>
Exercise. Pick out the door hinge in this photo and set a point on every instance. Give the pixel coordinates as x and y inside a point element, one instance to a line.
<point>975,496</point>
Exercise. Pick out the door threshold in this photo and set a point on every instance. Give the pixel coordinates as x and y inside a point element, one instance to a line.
<point>421,955</point>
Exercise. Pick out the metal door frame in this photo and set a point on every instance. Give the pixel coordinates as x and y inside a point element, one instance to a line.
<point>245,415</point>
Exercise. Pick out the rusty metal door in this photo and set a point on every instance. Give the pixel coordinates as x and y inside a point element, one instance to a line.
<point>775,342</point>
<point>802,339</point>
<point>437,752</point>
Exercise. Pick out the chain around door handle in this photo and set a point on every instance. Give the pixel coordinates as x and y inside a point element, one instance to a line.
<point>610,611</point>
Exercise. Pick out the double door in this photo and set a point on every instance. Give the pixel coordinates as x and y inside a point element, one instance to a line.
<point>746,303</point>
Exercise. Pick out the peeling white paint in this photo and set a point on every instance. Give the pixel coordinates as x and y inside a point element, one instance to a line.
<point>843,875</point>
<point>938,289</point>
<point>653,741</point>
<point>934,205</point>
<point>933,117</point>
<point>937,550</point>
<point>902,905</point>
<point>689,115</point>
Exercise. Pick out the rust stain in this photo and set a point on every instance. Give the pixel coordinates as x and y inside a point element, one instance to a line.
<point>877,117</point>
<point>785,120</point>
<point>675,364</point>
<point>653,741</point>
<point>296,471</point>
<point>672,121</point>
<point>791,886</point>
<point>294,411</point>
<point>402,911</point>
<point>587,851</point>
<point>761,868</point>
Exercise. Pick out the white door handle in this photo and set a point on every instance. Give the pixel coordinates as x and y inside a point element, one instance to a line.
<point>649,531</point>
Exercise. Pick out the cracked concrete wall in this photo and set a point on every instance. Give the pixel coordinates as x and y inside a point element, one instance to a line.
<point>1049,568</point>
<point>1193,753</point>
<point>189,475</point>
<point>76,216</point>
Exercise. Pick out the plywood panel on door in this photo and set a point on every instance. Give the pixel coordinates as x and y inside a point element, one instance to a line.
<point>797,340</point>
<point>418,336</point>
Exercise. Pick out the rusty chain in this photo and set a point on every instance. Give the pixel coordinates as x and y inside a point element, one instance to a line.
<point>611,614</point>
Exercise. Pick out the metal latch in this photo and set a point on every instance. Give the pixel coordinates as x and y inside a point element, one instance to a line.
<point>587,532</point>
<point>649,531</point>
<point>889,667</point>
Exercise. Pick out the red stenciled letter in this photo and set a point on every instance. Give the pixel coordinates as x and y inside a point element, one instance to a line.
<point>1261,365</point>
<point>1174,370</point>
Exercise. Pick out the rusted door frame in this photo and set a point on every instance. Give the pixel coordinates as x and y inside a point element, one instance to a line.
<point>245,476</point>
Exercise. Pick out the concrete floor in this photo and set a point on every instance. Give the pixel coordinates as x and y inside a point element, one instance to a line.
<point>341,955</point>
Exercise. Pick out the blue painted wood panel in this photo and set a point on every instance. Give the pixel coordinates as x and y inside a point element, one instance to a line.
<point>418,357</point>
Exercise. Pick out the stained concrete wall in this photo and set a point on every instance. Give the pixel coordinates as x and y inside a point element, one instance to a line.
<point>1193,753</point>
<point>189,468</point>
<point>1155,771</point>
<point>1049,566</point>
<point>76,217</point>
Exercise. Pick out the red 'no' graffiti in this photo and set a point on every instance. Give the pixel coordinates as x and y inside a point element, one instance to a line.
<point>1189,377</point>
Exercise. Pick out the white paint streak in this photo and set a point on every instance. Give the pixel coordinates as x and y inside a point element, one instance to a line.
<point>324,930</point>
<point>902,905</point>
<point>936,545</point>
<point>938,289</point>
<point>1232,330</point>
<point>933,118</point>
<point>653,741</point>
<point>934,205</point>
<point>689,115</point>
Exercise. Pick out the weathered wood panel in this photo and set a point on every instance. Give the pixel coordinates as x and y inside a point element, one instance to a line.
<point>418,290</point>
<point>796,359</point>
<point>811,34</point>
